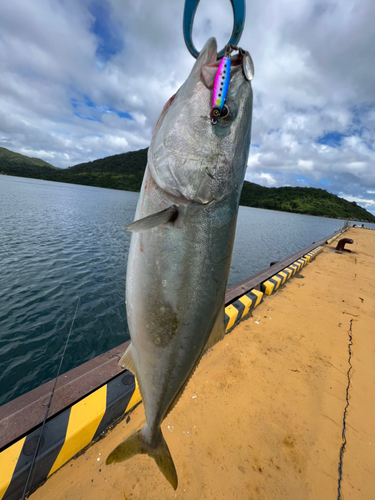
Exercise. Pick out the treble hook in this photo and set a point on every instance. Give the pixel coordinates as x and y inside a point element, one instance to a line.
<point>190,9</point>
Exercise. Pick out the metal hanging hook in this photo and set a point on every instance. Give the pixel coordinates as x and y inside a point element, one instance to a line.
<point>190,9</point>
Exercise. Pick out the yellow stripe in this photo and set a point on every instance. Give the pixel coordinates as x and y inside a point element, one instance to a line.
<point>84,420</point>
<point>294,267</point>
<point>289,271</point>
<point>247,303</point>
<point>259,297</point>
<point>232,312</point>
<point>284,275</point>
<point>8,462</point>
<point>297,264</point>
<point>268,287</point>
<point>278,281</point>
<point>136,397</point>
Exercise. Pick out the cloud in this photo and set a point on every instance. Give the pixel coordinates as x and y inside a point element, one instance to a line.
<point>82,79</point>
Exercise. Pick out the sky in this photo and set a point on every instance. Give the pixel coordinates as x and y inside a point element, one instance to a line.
<point>84,79</point>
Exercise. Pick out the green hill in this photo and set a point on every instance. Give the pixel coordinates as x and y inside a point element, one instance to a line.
<point>23,166</point>
<point>302,200</point>
<point>125,171</point>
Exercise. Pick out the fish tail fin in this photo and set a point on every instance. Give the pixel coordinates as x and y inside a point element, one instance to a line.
<point>136,444</point>
<point>133,445</point>
<point>164,461</point>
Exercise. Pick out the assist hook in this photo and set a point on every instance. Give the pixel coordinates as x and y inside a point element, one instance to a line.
<point>190,9</point>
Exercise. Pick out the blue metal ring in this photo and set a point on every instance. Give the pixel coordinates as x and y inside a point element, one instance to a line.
<point>190,9</point>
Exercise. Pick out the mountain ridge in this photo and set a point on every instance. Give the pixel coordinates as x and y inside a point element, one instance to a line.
<point>125,171</point>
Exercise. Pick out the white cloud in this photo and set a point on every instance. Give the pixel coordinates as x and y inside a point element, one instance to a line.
<point>263,178</point>
<point>368,204</point>
<point>82,79</point>
<point>306,164</point>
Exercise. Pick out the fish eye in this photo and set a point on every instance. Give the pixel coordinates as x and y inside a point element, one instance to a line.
<point>224,112</point>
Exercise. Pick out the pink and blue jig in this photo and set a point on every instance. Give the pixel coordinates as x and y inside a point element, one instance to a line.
<point>221,86</point>
<point>222,79</point>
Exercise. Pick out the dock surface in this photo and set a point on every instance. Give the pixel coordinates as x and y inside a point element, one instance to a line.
<point>282,408</point>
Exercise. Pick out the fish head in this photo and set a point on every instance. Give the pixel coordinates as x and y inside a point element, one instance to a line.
<point>192,159</point>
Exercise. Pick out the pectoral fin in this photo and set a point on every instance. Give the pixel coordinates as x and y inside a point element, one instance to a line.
<point>168,215</point>
<point>127,360</point>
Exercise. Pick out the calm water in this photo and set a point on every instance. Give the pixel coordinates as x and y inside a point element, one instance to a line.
<point>61,241</point>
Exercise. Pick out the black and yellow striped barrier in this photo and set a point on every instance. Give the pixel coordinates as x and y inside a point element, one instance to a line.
<point>336,236</point>
<point>311,255</point>
<point>240,308</point>
<point>65,435</point>
<point>270,286</point>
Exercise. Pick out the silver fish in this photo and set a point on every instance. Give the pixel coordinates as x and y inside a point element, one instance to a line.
<point>181,245</point>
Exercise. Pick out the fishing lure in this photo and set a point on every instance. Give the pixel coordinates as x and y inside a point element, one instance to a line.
<point>221,86</point>
<point>222,79</point>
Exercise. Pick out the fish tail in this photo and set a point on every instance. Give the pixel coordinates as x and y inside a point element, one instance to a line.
<point>136,444</point>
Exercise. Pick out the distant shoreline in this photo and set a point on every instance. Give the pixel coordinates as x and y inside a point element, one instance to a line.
<point>125,172</point>
<point>247,206</point>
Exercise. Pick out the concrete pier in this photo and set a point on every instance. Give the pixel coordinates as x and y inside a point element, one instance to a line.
<point>282,408</point>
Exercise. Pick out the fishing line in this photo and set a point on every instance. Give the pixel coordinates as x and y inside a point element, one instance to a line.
<point>30,476</point>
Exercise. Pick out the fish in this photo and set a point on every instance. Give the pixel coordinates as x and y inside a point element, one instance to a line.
<point>181,245</point>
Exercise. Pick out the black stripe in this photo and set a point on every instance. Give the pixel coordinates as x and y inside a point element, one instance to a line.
<point>253,298</point>
<point>240,308</point>
<point>226,321</point>
<point>119,393</point>
<point>273,282</point>
<point>276,284</point>
<point>52,441</point>
<point>281,278</point>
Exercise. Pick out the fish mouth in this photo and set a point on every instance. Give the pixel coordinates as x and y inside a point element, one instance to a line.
<point>208,54</point>
<point>209,70</point>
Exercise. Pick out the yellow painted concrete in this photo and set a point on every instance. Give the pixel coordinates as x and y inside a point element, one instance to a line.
<point>262,417</point>
<point>8,462</point>
<point>84,420</point>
